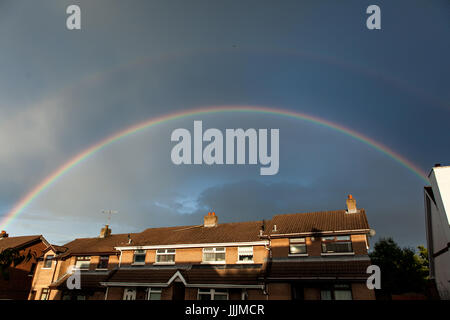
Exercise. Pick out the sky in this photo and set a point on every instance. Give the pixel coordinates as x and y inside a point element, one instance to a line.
<point>62,91</point>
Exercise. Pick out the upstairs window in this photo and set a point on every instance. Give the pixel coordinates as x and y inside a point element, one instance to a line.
<point>165,256</point>
<point>245,254</point>
<point>83,262</point>
<point>214,255</point>
<point>103,262</point>
<point>48,261</point>
<point>297,246</point>
<point>139,257</point>
<point>338,244</point>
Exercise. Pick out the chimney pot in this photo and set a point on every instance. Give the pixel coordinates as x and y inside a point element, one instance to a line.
<point>351,204</point>
<point>211,220</point>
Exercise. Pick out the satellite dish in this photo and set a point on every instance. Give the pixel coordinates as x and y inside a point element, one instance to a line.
<point>372,233</point>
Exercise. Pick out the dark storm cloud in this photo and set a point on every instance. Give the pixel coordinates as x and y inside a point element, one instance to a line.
<point>63,91</point>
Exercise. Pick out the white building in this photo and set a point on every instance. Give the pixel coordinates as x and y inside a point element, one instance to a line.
<point>437,218</point>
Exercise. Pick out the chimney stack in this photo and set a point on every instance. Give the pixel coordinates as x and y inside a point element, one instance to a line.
<point>105,232</point>
<point>351,204</point>
<point>3,234</point>
<point>210,220</point>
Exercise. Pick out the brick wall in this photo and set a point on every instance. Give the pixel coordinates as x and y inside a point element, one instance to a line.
<point>361,292</point>
<point>279,291</point>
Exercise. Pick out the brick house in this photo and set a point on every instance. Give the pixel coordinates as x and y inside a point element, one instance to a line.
<point>318,255</point>
<point>17,287</point>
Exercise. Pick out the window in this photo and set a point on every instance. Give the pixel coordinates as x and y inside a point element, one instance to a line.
<point>139,257</point>
<point>297,246</point>
<point>212,294</point>
<point>103,262</point>
<point>336,292</point>
<point>45,293</point>
<point>48,261</point>
<point>154,294</point>
<point>83,262</point>
<point>129,294</point>
<point>214,255</point>
<point>339,244</point>
<point>165,256</point>
<point>245,254</point>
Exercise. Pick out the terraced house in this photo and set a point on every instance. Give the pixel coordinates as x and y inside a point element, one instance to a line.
<point>317,255</point>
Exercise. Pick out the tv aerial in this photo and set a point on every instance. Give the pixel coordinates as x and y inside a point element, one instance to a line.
<point>109,213</point>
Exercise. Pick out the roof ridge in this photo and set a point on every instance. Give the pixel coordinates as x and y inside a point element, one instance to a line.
<point>312,212</point>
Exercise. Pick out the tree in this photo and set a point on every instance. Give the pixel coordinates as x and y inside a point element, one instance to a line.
<point>12,257</point>
<point>402,270</point>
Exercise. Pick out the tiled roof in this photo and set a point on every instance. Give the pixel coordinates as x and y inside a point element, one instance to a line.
<point>143,275</point>
<point>321,269</point>
<point>59,248</point>
<point>17,242</point>
<point>95,245</point>
<point>244,276</point>
<point>223,232</point>
<point>192,275</point>
<point>317,222</point>
<point>87,280</point>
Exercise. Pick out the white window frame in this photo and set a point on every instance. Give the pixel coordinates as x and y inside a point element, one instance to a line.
<point>242,252</point>
<point>337,239</point>
<point>88,262</point>
<point>212,293</point>
<point>153,290</point>
<point>165,253</point>
<point>215,251</point>
<point>298,241</point>
<point>144,253</point>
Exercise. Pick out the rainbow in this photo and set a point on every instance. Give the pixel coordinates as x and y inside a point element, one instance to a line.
<point>48,181</point>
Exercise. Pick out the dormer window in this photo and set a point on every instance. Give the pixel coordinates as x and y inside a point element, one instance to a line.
<point>297,246</point>
<point>139,257</point>
<point>337,244</point>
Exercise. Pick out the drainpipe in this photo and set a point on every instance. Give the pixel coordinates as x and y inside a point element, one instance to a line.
<point>268,265</point>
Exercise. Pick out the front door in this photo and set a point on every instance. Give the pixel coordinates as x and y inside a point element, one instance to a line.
<point>178,291</point>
